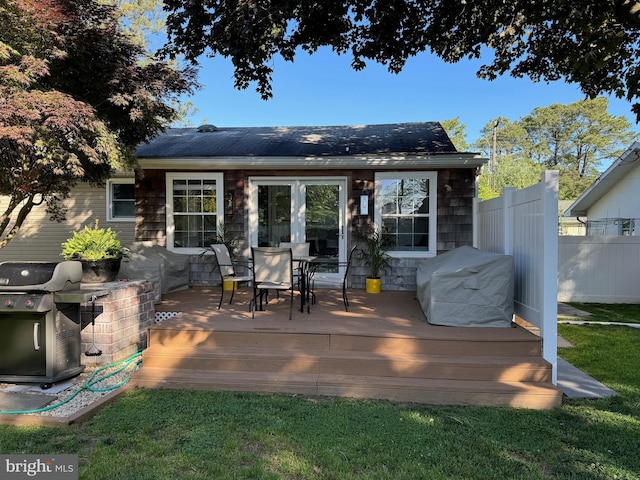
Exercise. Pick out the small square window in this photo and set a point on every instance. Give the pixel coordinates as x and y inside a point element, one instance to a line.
<point>121,199</point>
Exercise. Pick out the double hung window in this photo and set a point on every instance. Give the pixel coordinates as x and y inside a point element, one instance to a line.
<point>406,211</point>
<point>194,210</point>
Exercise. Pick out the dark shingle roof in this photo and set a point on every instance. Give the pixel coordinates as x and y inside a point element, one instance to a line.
<point>406,138</point>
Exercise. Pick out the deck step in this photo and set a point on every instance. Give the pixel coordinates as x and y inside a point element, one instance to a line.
<point>387,344</point>
<point>419,390</point>
<point>333,362</point>
<point>383,348</point>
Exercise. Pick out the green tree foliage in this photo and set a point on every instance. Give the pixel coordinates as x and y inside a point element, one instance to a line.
<point>509,164</point>
<point>143,19</point>
<point>509,172</point>
<point>145,22</point>
<point>577,139</point>
<point>457,133</point>
<point>322,204</point>
<point>592,43</point>
<point>75,101</point>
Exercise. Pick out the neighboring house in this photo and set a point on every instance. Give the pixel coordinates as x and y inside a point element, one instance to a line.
<point>310,184</point>
<point>611,205</point>
<point>603,266</point>
<point>40,238</point>
<point>569,225</point>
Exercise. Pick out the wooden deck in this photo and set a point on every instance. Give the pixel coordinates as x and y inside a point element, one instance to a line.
<point>382,348</point>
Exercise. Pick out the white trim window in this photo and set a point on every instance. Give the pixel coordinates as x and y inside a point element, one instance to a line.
<point>195,208</point>
<point>406,206</point>
<point>121,200</point>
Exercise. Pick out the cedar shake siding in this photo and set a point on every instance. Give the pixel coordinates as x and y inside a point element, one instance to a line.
<point>456,193</point>
<point>360,154</point>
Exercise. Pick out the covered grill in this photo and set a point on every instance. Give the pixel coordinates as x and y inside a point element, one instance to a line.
<point>40,321</point>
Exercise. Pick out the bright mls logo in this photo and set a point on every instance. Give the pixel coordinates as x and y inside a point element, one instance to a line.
<point>51,467</point>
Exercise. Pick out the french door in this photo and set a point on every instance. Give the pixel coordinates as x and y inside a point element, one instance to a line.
<point>309,210</point>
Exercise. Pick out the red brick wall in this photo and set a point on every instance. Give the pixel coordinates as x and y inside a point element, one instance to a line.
<point>122,318</point>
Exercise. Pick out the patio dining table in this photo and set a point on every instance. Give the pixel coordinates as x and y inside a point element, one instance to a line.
<point>306,271</point>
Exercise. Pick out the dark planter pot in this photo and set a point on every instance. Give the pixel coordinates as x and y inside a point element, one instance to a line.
<point>100,271</point>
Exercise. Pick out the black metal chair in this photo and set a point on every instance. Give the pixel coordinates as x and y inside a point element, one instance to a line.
<point>298,250</point>
<point>346,278</point>
<point>227,269</point>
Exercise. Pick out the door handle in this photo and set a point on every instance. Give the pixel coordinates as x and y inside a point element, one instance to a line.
<point>36,331</point>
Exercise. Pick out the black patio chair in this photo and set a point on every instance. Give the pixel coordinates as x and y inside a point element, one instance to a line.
<point>227,269</point>
<point>346,278</point>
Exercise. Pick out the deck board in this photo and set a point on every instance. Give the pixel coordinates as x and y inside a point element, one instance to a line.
<point>390,313</point>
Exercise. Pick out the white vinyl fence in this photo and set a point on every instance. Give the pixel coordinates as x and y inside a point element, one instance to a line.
<point>524,224</point>
<point>600,269</point>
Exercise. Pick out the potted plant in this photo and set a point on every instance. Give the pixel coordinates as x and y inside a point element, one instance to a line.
<point>374,255</point>
<point>232,241</point>
<point>99,250</point>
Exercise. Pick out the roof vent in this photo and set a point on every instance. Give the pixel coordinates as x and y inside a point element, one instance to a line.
<point>207,128</point>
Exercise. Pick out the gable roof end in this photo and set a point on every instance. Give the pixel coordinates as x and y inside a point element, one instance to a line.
<point>605,182</point>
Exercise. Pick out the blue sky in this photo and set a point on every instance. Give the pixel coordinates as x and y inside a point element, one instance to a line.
<point>322,89</point>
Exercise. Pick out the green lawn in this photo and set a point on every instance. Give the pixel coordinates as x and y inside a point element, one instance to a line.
<point>601,312</point>
<point>148,434</point>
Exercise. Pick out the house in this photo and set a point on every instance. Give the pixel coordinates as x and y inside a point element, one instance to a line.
<point>273,184</point>
<point>313,184</point>
<point>40,238</point>
<point>322,185</point>
<point>611,204</point>
<point>603,266</point>
<point>569,225</point>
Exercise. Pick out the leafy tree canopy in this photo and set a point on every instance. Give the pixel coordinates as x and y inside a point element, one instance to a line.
<point>142,19</point>
<point>75,101</point>
<point>577,139</point>
<point>457,133</point>
<point>592,43</point>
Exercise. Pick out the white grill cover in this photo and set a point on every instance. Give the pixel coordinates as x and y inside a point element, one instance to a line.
<point>466,287</point>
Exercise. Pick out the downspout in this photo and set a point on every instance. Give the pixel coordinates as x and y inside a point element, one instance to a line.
<point>476,201</point>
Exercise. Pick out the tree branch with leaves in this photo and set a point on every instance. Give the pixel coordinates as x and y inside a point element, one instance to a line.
<point>593,43</point>
<point>76,99</point>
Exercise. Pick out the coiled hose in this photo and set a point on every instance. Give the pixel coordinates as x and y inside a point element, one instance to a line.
<point>132,362</point>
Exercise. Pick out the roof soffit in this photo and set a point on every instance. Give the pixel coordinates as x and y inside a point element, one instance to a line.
<point>380,162</point>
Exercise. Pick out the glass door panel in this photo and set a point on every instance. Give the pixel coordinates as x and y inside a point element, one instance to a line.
<point>301,210</point>
<point>322,225</point>
<point>274,215</point>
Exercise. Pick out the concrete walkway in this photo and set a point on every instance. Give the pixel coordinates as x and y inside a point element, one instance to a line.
<point>573,382</point>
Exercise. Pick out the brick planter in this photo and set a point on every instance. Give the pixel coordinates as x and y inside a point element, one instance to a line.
<point>122,319</point>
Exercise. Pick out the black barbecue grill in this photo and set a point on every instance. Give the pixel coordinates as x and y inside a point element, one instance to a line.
<point>40,321</point>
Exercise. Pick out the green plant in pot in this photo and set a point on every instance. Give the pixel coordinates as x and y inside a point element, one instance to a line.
<point>226,236</point>
<point>373,252</point>
<point>99,250</point>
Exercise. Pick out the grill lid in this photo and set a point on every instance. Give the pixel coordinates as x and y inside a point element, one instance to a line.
<point>39,276</point>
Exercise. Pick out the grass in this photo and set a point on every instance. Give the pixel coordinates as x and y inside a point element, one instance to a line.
<point>161,434</point>
<point>601,312</point>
